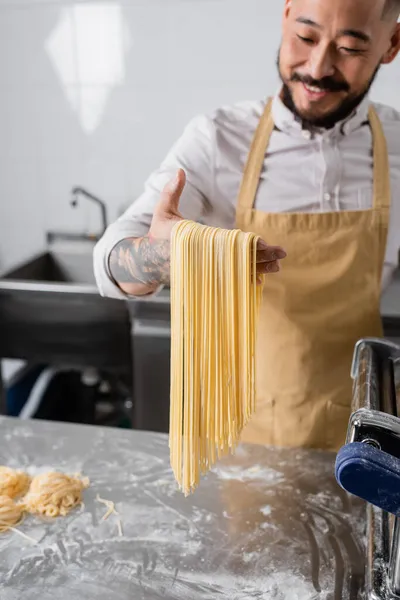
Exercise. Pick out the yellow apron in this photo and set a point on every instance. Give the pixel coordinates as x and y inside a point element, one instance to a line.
<point>326,297</point>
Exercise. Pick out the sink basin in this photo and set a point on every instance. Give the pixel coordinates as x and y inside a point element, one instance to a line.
<point>54,269</point>
<point>51,312</point>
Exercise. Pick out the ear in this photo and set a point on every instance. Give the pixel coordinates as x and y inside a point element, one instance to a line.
<point>394,47</point>
<point>287,9</point>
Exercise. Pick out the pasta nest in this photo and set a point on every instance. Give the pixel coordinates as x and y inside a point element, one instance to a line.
<point>10,513</point>
<point>54,494</point>
<point>13,483</point>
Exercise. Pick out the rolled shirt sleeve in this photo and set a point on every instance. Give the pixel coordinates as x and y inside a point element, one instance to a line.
<point>193,153</point>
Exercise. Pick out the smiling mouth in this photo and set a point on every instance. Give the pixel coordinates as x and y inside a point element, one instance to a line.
<point>315,93</point>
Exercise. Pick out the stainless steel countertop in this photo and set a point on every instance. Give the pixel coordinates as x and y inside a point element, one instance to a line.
<point>266,524</point>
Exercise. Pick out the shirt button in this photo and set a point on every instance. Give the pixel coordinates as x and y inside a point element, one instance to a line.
<point>327,197</point>
<point>306,134</point>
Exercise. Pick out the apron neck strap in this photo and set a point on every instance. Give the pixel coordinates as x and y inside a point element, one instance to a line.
<point>382,193</point>
<point>255,160</point>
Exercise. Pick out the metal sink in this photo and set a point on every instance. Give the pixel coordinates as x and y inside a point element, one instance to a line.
<point>63,271</point>
<point>51,312</point>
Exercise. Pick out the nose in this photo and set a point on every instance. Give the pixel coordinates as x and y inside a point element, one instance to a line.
<point>321,63</point>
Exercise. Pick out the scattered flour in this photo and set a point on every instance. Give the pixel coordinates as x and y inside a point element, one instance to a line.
<point>256,473</point>
<point>265,510</point>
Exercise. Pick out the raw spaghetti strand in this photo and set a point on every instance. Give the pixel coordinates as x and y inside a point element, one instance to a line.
<point>214,308</point>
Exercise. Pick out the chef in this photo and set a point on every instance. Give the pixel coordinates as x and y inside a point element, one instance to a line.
<point>315,171</point>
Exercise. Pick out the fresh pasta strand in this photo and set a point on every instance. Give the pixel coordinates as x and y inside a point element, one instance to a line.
<point>20,533</point>
<point>214,308</point>
<point>110,510</point>
<point>54,494</point>
<point>110,507</point>
<point>13,483</point>
<point>119,527</point>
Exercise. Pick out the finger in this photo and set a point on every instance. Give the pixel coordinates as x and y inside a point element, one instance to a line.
<point>262,245</point>
<point>170,196</point>
<point>264,251</point>
<point>270,253</point>
<point>268,267</point>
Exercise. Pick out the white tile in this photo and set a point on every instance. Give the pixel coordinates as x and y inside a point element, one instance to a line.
<point>21,212</point>
<point>23,59</point>
<point>59,131</point>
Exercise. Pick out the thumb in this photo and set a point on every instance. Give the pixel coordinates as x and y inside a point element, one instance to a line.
<point>167,206</point>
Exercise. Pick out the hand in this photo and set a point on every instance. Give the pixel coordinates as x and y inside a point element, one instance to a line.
<point>140,265</point>
<point>268,258</point>
<point>166,213</point>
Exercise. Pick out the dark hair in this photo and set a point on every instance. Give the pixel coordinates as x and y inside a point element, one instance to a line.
<point>391,8</point>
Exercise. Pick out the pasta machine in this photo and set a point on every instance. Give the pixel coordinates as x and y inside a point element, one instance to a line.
<point>368,465</point>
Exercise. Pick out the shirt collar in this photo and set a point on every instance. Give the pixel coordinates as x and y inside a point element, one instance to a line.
<point>285,120</point>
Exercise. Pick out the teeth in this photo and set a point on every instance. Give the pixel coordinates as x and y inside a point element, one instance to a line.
<point>314,89</point>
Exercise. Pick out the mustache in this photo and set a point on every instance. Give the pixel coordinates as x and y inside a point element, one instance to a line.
<point>327,84</point>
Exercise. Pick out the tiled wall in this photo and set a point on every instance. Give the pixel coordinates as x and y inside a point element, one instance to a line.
<point>94,93</point>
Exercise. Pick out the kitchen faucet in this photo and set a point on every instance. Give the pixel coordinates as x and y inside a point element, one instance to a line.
<point>74,202</point>
<point>76,191</point>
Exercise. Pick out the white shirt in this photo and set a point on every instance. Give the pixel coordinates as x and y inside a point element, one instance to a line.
<point>326,172</point>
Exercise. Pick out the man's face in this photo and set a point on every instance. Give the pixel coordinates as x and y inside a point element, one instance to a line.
<point>331,51</point>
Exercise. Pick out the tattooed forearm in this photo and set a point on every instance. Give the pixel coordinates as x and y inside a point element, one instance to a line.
<point>141,260</point>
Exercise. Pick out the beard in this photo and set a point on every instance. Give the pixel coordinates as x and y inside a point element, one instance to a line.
<point>340,113</point>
